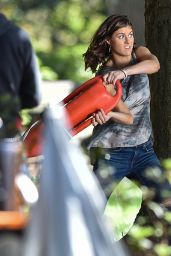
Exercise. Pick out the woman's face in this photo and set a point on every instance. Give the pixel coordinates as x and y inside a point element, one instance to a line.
<point>122,41</point>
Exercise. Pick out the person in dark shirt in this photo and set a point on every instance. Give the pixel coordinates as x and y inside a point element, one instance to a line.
<point>19,89</point>
<point>19,74</point>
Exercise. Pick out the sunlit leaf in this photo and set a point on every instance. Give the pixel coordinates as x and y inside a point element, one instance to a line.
<point>162,250</point>
<point>123,207</point>
<point>140,232</point>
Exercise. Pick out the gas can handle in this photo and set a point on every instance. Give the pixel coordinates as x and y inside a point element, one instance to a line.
<point>81,88</point>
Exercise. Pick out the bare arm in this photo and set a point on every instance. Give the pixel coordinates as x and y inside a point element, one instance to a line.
<point>147,63</point>
<point>120,114</point>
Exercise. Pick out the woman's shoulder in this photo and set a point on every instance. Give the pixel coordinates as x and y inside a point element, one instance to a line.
<point>140,51</point>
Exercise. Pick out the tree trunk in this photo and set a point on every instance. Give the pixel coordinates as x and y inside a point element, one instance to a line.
<point>158,40</point>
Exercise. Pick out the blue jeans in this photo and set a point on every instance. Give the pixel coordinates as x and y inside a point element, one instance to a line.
<point>139,163</point>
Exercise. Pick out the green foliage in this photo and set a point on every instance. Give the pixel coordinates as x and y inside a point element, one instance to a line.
<point>167,167</point>
<point>26,117</point>
<point>48,74</point>
<point>162,249</point>
<point>139,232</point>
<point>67,63</point>
<point>26,5</point>
<point>30,116</point>
<point>60,32</point>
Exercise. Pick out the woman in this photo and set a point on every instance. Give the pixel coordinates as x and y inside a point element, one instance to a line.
<point>122,139</point>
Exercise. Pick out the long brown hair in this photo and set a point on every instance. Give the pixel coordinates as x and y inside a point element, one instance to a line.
<point>99,50</point>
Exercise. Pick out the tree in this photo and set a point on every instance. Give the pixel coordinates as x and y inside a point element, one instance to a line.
<point>158,39</point>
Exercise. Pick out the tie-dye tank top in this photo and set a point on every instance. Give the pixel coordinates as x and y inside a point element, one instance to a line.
<point>136,95</point>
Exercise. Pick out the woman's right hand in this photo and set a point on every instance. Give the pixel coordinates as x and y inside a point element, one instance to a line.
<point>113,76</point>
<point>120,114</point>
<point>100,117</point>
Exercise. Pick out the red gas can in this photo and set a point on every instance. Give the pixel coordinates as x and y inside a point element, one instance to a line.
<point>86,100</point>
<point>80,106</point>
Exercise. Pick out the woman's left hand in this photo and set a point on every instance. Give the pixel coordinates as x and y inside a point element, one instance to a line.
<point>100,117</point>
